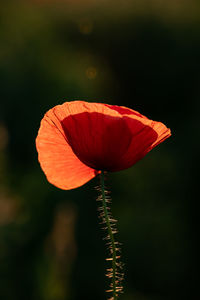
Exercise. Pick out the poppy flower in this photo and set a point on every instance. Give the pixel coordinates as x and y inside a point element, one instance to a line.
<point>77,140</point>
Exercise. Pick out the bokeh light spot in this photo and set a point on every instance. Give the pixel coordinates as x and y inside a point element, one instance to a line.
<point>85,26</point>
<point>91,72</point>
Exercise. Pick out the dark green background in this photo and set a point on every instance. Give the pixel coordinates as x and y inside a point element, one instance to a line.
<point>140,54</point>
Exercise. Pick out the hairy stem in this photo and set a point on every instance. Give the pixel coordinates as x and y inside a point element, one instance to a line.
<point>109,221</point>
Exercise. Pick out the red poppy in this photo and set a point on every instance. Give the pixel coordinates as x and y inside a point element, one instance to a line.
<point>77,140</point>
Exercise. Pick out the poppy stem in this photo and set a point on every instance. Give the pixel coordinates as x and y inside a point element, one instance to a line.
<point>110,222</point>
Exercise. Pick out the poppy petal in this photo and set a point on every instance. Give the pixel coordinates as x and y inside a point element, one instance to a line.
<point>97,134</point>
<point>111,138</point>
<point>99,140</point>
<point>146,134</point>
<point>58,161</point>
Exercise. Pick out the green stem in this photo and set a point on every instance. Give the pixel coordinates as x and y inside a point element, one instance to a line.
<point>111,237</point>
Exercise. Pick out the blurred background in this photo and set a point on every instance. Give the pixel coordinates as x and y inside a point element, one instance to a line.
<point>144,54</point>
